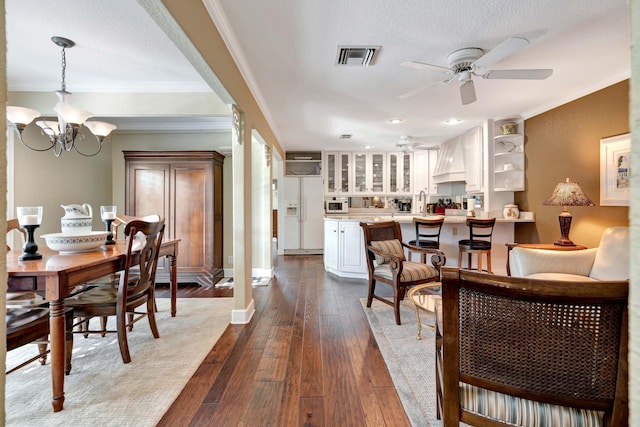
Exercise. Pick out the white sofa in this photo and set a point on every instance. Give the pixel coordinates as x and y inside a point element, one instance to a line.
<point>609,261</point>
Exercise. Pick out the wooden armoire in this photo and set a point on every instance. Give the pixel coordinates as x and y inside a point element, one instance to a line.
<point>185,188</point>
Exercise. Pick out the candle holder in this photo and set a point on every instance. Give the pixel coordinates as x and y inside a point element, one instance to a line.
<point>30,218</point>
<point>108,215</point>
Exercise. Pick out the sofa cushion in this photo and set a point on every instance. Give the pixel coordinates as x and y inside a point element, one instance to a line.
<point>612,259</point>
<point>391,246</point>
<point>524,262</point>
<point>561,276</point>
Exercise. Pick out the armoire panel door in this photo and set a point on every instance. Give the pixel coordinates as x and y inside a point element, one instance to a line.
<point>192,201</point>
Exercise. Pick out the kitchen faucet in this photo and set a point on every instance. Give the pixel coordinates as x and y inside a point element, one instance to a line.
<point>424,204</point>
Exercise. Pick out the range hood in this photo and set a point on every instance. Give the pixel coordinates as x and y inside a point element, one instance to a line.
<point>450,164</point>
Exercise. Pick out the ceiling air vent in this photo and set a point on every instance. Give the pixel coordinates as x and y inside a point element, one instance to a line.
<point>345,136</point>
<point>356,55</point>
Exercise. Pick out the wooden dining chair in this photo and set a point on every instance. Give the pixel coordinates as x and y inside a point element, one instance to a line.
<point>135,288</point>
<point>113,279</point>
<point>14,224</point>
<point>125,219</point>
<point>27,319</point>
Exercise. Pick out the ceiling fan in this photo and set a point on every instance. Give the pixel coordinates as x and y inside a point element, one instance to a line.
<point>409,143</point>
<point>465,63</point>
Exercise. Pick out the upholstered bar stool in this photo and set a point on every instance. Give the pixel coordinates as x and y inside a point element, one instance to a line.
<point>427,234</point>
<point>478,243</point>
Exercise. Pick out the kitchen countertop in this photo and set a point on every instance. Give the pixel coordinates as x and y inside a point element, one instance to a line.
<point>407,218</point>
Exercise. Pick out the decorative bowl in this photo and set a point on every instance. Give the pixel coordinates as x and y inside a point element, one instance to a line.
<point>71,244</point>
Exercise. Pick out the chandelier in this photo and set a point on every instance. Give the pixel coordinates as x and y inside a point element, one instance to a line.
<point>63,133</point>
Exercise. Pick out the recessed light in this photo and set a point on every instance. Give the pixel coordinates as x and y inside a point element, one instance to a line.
<point>396,121</point>
<point>367,147</point>
<point>453,121</point>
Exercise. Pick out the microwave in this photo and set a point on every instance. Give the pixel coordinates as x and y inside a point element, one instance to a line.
<point>336,206</point>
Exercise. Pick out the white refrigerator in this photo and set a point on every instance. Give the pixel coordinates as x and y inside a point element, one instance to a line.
<point>303,215</point>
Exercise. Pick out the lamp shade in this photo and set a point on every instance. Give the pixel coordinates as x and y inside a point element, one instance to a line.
<point>21,115</point>
<point>49,127</point>
<point>101,129</point>
<point>71,114</point>
<point>568,194</point>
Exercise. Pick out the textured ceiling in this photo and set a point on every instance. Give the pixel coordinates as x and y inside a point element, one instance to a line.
<point>287,50</point>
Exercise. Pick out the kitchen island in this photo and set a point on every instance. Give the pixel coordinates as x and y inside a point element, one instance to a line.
<point>344,253</point>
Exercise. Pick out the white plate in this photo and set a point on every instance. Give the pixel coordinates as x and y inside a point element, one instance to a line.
<point>72,244</point>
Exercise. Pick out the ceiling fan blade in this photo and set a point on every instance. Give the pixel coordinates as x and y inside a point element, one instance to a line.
<point>534,74</point>
<point>423,66</point>
<point>422,89</point>
<point>504,49</point>
<point>467,92</point>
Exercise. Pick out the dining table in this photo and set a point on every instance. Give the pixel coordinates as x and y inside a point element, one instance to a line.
<point>58,273</point>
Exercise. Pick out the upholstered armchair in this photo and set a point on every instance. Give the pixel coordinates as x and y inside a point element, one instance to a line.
<point>525,352</point>
<point>609,261</point>
<point>387,263</point>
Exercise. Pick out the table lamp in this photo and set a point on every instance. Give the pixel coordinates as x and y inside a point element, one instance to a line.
<point>567,194</point>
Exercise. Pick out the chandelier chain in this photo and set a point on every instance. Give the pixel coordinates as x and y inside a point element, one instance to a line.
<point>64,68</point>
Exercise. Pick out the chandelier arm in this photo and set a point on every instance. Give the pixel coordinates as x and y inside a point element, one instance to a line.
<point>88,155</point>
<point>51,141</point>
<point>75,147</point>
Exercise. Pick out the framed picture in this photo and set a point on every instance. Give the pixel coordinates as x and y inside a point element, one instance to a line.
<point>615,170</point>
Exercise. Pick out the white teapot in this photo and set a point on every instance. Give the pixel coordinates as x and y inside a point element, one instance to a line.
<point>77,220</point>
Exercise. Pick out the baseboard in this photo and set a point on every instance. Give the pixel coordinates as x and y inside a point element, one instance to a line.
<point>256,272</point>
<point>262,272</point>
<point>242,317</point>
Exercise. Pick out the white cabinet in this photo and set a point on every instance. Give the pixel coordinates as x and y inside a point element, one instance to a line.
<point>508,155</point>
<point>303,163</point>
<point>473,160</point>
<point>400,167</point>
<point>337,173</point>
<point>330,244</point>
<point>344,253</point>
<point>351,255</point>
<point>369,170</point>
<point>424,165</point>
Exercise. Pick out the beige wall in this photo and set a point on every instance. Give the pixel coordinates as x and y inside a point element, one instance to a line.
<point>565,143</point>
<point>41,179</point>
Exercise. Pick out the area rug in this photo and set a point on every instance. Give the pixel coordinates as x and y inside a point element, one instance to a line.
<point>256,281</point>
<point>411,362</point>
<point>103,391</point>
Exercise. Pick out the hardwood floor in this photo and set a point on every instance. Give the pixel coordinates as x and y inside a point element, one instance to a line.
<point>307,358</point>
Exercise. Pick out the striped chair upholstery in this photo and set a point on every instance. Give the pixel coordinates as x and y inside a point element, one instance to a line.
<point>411,271</point>
<point>392,246</point>
<point>516,411</point>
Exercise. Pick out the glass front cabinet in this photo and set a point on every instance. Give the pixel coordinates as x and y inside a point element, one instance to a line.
<point>400,172</point>
<point>369,170</point>
<point>337,168</point>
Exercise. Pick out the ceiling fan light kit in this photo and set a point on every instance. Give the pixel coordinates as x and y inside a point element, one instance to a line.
<point>465,63</point>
